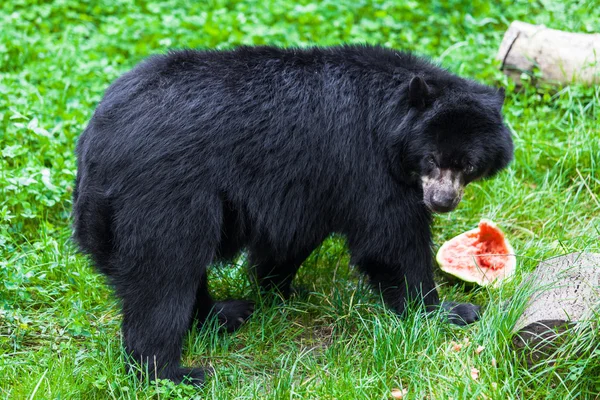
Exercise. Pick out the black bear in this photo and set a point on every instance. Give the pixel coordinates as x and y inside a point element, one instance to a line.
<point>194,156</point>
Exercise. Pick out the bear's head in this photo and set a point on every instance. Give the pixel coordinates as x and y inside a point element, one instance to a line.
<point>452,134</point>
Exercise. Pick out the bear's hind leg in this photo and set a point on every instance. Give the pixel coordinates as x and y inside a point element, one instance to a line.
<point>156,315</point>
<point>276,275</point>
<point>230,313</point>
<point>164,248</point>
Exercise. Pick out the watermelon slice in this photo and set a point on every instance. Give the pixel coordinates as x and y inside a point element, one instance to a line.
<point>482,256</point>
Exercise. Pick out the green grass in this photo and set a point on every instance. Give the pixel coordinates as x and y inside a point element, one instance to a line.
<point>59,324</point>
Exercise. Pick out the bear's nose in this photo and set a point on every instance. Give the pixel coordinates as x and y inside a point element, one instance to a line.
<point>443,200</point>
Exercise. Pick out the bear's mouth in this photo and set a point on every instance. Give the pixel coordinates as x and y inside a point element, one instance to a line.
<point>442,189</point>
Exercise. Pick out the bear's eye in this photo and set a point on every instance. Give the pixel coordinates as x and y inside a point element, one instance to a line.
<point>469,169</point>
<point>431,161</point>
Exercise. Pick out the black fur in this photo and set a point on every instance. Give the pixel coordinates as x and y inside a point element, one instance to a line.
<point>195,155</point>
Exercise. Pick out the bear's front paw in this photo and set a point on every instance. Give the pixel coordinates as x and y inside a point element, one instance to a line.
<point>461,313</point>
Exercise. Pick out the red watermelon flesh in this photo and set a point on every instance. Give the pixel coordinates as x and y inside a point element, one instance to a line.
<point>481,255</point>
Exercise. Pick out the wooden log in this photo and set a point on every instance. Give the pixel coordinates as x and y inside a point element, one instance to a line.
<point>561,57</point>
<point>565,290</point>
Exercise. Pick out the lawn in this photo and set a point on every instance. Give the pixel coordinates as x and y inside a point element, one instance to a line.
<point>59,323</point>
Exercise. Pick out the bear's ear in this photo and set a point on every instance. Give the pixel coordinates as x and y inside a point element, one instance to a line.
<point>502,92</point>
<point>499,98</point>
<point>418,92</point>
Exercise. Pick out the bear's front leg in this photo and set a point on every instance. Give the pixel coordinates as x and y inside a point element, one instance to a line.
<point>411,279</point>
<point>395,253</point>
<point>408,280</point>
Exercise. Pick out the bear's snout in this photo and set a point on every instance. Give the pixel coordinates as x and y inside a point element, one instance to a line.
<point>443,192</point>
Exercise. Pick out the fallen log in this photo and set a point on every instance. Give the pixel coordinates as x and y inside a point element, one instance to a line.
<point>566,290</point>
<point>560,57</point>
